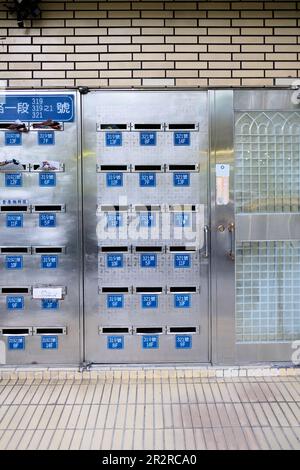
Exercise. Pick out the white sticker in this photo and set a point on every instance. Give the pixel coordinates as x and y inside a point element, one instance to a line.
<point>222,184</point>
<point>47,292</point>
<point>223,170</point>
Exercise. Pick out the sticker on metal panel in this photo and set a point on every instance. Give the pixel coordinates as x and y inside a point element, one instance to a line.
<point>13,180</point>
<point>15,303</point>
<point>115,342</point>
<point>37,107</point>
<point>222,184</point>
<point>183,341</point>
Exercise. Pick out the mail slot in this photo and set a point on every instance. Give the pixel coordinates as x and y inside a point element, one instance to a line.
<point>48,166</point>
<point>53,330</point>
<point>114,300</point>
<point>15,249</point>
<point>111,127</point>
<point>13,165</point>
<point>15,208</point>
<point>115,330</point>
<point>23,331</point>
<point>49,208</point>
<point>184,300</point>
<point>149,330</point>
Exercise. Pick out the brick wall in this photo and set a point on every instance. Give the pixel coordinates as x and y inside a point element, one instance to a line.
<point>146,43</point>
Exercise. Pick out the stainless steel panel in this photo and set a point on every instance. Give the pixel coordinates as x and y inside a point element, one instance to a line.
<point>252,227</point>
<point>132,158</point>
<point>267,224</point>
<point>222,283</point>
<point>62,241</point>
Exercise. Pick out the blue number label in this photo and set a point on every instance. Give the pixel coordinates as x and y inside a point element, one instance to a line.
<point>114,220</point>
<point>47,220</point>
<point>49,262</point>
<point>114,180</point>
<point>149,301</point>
<point>182,300</point>
<point>182,138</point>
<point>183,342</point>
<point>148,139</point>
<point>182,261</point>
<point>181,179</point>
<point>182,219</point>
<point>49,342</point>
<point>15,303</point>
<point>47,180</point>
<point>147,219</point>
<point>14,262</point>
<point>13,180</point>
<point>50,304</point>
<point>115,301</point>
<point>14,220</point>
<point>113,139</point>
<point>147,180</point>
<point>148,261</point>
<point>13,138</point>
<point>16,342</point>
<point>46,138</point>
<point>114,261</point>
<point>115,342</point>
<point>150,342</point>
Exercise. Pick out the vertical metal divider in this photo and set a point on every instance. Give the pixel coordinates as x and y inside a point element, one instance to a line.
<point>222,265</point>
<point>81,332</point>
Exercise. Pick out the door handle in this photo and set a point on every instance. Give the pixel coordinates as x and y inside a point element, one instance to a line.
<point>206,241</point>
<point>231,230</point>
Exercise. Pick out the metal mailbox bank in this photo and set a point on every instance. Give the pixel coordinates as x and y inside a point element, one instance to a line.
<point>39,229</point>
<point>163,228</point>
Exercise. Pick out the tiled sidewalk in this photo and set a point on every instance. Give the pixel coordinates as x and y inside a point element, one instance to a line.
<point>166,410</point>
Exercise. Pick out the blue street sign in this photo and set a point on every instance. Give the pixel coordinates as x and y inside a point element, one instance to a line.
<point>37,107</point>
<point>114,180</point>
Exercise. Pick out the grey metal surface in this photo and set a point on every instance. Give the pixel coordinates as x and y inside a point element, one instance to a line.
<point>267,224</point>
<point>138,111</point>
<point>261,227</point>
<point>64,237</point>
<point>222,280</point>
